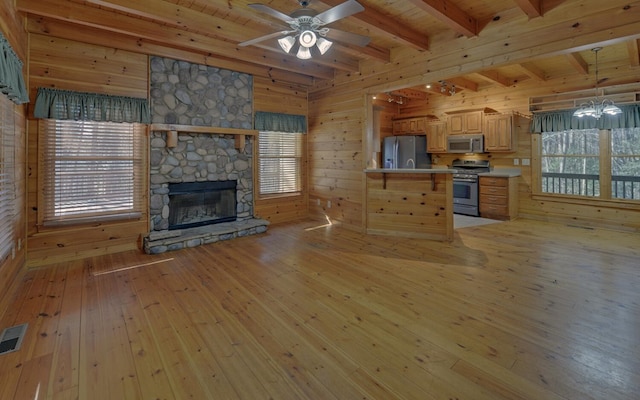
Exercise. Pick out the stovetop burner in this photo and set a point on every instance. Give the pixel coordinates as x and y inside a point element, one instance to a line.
<point>469,168</point>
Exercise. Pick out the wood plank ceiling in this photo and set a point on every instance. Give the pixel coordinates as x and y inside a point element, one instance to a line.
<point>214,28</point>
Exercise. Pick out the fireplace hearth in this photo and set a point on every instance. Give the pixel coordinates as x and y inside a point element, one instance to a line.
<point>194,204</point>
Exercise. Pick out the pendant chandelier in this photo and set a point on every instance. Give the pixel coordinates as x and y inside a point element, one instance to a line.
<point>596,108</point>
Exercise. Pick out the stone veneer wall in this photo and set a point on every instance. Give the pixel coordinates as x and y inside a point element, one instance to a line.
<point>192,94</point>
<point>198,158</point>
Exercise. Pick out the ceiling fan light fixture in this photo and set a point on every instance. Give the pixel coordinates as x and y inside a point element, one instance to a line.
<point>308,39</point>
<point>304,53</point>
<point>324,45</point>
<point>287,43</point>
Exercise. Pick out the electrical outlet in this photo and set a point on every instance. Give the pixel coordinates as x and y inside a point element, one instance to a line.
<point>318,202</point>
<point>328,203</point>
<point>516,161</point>
<point>526,161</point>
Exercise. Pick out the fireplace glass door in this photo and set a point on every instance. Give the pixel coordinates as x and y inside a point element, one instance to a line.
<point>201,203</point>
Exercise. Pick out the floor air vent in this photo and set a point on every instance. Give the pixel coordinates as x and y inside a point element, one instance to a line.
<point>11,338</point>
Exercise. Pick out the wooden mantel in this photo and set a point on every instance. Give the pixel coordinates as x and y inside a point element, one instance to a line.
<point>172,132</point>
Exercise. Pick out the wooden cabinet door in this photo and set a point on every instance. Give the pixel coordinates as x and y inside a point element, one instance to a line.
<point>473,122</point>
<point>498,133</point>
<point>456,124</point>
<point>436,137</point>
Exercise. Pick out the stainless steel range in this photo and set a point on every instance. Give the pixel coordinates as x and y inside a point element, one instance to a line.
<point>465,185</point>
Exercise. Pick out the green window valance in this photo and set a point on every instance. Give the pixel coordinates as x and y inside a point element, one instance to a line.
<point>80,106</point>
<point>11,79</point>
<point>557,121</point>
<point>275,122</point>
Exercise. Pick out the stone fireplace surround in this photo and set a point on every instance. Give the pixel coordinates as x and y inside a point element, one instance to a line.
<point>199,157</point>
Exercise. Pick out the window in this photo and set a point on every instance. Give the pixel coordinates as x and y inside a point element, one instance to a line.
<point>7,178</point>
<point>602,164</point>
<point>91,171</point>
<point>280,162</point>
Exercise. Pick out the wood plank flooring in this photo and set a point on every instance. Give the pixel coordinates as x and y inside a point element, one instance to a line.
<point>513,310</point>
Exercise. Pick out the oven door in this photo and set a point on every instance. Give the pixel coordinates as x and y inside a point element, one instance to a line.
<point>465,196</point>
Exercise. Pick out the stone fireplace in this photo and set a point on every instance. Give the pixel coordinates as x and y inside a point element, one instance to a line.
<point>201,187</point>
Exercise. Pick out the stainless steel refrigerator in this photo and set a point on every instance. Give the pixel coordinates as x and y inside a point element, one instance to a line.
<point>406,152</point>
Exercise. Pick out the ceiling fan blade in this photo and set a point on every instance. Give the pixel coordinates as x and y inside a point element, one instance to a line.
<point>263,38</point>
<point>348,37</point>
<point>268,10</point>
<point>340,11</point>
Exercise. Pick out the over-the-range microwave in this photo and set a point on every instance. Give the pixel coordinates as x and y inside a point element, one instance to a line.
<point>465,143</point>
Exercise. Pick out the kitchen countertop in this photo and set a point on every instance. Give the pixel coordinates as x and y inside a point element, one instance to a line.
<point>502,172</point>
<point>410,171</point>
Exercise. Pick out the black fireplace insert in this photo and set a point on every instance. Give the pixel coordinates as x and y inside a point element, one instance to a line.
<point>193,204</point>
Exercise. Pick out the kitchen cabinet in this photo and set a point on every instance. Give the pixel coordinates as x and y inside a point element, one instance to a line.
<point>499,133</point>
<point>466,122</point>
<point>498,197</point>
<point>436,137</point>
<point>410,126</point>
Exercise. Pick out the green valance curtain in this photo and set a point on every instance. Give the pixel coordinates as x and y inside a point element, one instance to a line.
<point>11,79</point>
<point>80,106</point>
<point>275,122</point>
<point>557,121</point>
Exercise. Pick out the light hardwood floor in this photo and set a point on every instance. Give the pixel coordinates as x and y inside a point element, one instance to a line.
<point>513,310</point>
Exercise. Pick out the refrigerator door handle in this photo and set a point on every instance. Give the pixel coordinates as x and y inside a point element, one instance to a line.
<point>396,146</point>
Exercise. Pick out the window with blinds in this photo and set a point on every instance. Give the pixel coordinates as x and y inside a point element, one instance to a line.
<point>7,177</point>
<point>90,171</point>
<point>280,162</point>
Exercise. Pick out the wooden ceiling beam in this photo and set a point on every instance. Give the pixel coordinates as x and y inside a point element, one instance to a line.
<point>379,22</point>
<point>533,8</point>
<point>532,71</point>
<point>580,65</point>
<point>464,83</point>
<point>119,23</point>
<point>495,77</point>
<point>451,15</point>
<point>633,48</point>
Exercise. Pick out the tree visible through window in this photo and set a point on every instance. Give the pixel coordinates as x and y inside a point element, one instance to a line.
<point>594,163</point>
<point>91,170</point>
<point>279,162</point>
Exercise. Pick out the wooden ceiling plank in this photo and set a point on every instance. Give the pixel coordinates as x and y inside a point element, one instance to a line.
<point>580,65</point>
<point>98,18</point>
<point>379,22</point>
<point>464,83</point>
<point>533,8</point>
<point>451,15</point>
<point>633,48</point>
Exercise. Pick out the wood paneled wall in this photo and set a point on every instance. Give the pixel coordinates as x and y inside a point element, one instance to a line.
<point>13,31</point>
<point>66,64</point>
<point>288,99</point>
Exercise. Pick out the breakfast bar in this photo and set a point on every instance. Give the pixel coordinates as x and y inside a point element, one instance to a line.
<point>413,203</point>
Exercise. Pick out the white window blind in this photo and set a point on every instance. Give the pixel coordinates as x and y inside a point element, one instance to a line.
<point>280,162</point>
<point>7,177</point>
<point>91,171</point>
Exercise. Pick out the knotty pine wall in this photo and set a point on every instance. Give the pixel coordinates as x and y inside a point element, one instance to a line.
<point>72,65</point>
<point>289,99</point>
<point>13,30</point>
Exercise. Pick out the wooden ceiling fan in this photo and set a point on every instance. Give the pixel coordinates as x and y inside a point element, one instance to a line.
<point>307,29</point>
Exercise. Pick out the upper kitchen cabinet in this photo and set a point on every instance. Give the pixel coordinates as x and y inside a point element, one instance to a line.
<point>410,126</point>
<point>466,122</point>
<point>436,137</point>
<point>498,133</point>
<point>501,130</point>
